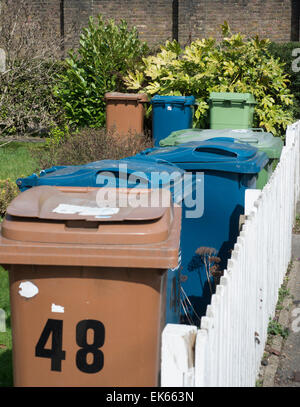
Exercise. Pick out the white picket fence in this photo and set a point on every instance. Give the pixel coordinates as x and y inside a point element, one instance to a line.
<point>227,349</point>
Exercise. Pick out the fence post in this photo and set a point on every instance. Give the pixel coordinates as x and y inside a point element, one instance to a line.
<point>200,358</point>
<point>177,365</point>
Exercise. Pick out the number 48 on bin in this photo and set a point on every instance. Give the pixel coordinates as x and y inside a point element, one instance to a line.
<point>57,354</point>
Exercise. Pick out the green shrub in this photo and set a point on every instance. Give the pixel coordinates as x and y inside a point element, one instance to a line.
<point>234,65</point>
<point>8,191</point>
<point>90,145</point>
<point>284,51</point>
<point>107,50</point>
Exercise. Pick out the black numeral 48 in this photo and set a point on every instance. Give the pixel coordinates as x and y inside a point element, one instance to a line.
<point>54,327</point>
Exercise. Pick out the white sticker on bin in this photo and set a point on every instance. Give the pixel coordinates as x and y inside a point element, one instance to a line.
<point>85,210</point>
<point>28,289</point>
<point>57,308</point>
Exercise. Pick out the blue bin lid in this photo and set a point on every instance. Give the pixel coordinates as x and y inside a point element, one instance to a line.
<point>183,100</point>
<point>146,175</point>
<point>222,154</point>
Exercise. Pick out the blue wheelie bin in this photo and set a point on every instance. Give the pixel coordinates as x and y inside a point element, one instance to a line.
<point>263,141</point>
<point>170,113</point>
<point>226,169</point>
<point>117,174</point>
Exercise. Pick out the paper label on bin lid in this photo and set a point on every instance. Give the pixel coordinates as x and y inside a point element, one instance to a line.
<point>85,210</point>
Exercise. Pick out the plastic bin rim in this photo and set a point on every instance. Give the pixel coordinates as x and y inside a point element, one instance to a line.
<point>142,97</point>
<point>248,98</point>
<point>185,100</point>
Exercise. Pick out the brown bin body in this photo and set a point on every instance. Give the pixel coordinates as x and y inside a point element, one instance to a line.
<point>125,112</point>
<point>87,310</point>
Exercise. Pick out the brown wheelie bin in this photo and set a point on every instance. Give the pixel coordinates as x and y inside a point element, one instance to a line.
<point>87,286</point>
<point>125,112</point>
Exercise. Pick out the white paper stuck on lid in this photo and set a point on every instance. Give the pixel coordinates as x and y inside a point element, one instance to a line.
<point>85,210</point>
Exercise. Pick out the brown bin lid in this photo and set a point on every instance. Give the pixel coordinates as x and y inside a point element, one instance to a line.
<point>141,97</point>
<point>60,221</point>
<point>45,202</point>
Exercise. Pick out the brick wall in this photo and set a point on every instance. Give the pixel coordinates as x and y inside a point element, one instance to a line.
<point>152,18</point>
<point>196,18</point>
<point>47,10</point>
<point>269,18</point>
<point>76,15</point>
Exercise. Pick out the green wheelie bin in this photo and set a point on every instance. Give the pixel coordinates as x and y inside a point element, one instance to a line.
<point>231,110</point>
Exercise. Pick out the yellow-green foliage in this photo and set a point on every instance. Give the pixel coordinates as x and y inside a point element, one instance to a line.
<point>8,191</point>
<point>236,64</point>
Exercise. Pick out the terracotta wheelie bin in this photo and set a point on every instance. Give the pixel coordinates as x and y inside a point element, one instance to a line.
<point>87,286</point>
<point>125,112</point>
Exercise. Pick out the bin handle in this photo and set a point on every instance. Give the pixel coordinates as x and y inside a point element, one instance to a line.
<point>230,101</point>
<point>241,100</point>
<point>258,129</point>
<point>236,139</point>
<point>215,150</point>
<point>27,182</point>
<point>216,147</point>
<point>184,101</point>
<point>247,140</point>
<point>52,169</point>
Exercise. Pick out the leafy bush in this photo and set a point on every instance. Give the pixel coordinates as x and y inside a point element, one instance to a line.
<point>107,50</point>
<point>234,65</point>
<point>27,103</point>
<point>8,191</point>
<point>90,145</point>
<point>284,51</point>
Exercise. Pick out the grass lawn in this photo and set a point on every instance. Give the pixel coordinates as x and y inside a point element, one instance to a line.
<point>15,161</point>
